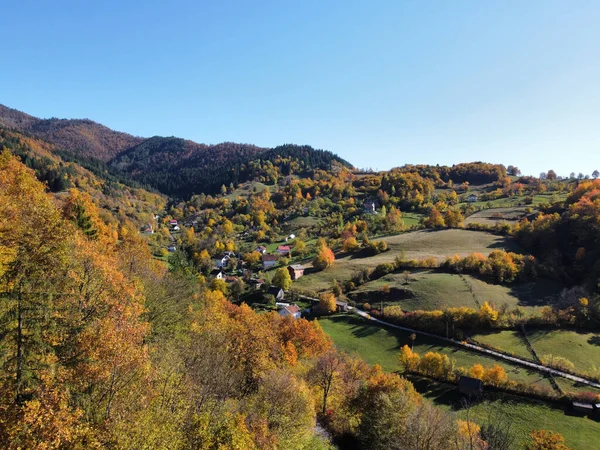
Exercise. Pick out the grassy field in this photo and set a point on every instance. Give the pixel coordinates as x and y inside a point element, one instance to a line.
<point>411,219</point>
<point>581,348</point>
<point>418,245</point>
<point>512,202</point>
<point>524,415</point>
<point>428,289</point>
<point>507,340</point>
<point>494,215</point>
<point>378,345</point>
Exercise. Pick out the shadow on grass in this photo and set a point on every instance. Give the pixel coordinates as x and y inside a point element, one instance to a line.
<point>536,293</point>
<point>594,340</point>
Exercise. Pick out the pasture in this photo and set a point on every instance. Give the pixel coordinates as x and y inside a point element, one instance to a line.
<point>581,348</point>
<point>523,415</point>
<point>378,345</point>
<point>421,244</point>
<point>497,215</point>
<point>430,289</point>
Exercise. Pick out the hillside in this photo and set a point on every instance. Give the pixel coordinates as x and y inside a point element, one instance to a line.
<point>171,165</point>
<point>119,202</point>
<point>82,137</point>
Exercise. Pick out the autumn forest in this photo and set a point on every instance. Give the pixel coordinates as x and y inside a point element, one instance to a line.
<point>157,293</point>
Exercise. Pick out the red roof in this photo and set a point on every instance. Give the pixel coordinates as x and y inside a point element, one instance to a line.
<point>292,309</point>
<point>269,257</point>
<point>283,248</point>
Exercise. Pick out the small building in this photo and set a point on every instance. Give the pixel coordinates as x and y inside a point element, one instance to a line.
<point>216,273</point>
<point>369,207</point>
<point>296,271</point>
<point>221,261</point>
<point>261,249</point>
<point>472,198</point>
<point>147,229</point>
<point>341,306</point>
<point>283,250</point>
<point>176,228</point>
<point>290,237</point>
<point>290,311</point>
<point>171,248</point>
<point>582,408</point>
<point>473,387</point>
<point>269,261</point>
<point>172,222</point>
<point>276,292</point>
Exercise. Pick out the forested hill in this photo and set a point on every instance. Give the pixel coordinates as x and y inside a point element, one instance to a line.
<point>81,137</point>
<point>183,168</point>
<point>171,165</point>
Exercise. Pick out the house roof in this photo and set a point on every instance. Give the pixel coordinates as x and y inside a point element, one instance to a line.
<point>269,257</point>
<point>469,384</point>
<point>261,247</point>
<point>296,267</point>
<point>292,309</point>
<point>274,290</point>
<point>284,248</point>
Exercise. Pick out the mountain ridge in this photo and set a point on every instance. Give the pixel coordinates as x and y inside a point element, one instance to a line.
<point>172,165</point>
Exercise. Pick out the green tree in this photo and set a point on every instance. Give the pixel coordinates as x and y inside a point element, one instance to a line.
<point>282,278</point>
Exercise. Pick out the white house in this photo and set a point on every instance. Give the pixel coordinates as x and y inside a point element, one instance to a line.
<point>221,261</point>
<point>290,311</point>
<point>269,261</point>
<point>472,198</point>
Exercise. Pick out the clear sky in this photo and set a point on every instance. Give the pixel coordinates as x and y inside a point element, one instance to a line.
<point>381,83</point>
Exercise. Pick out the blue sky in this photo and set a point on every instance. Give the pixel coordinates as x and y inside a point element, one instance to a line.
<point>381,83</point>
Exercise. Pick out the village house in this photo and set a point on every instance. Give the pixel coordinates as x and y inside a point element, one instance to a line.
<point>290,237</point>
<point>296,271</point>
<point>276,292</point>
<point>269,261</point>
<point>171,248</point>
<point>147,229</point>
<point>472,198</point>
<point>176,228</point>
<point>230,279</point>
<point>290,311</point>
<point>172,223</point>
<point>218,274</point>
<point>283,250</point>
<point>261,249</point>
<point>369,207</point>
<point>221,261</point>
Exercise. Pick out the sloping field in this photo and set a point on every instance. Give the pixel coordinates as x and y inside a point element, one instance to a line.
<point>581,348</point>
<point>580,433</point>
<point>415,245</point>
<point>428,289</point>
<point>380,345</point>
<point>496,215</point>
